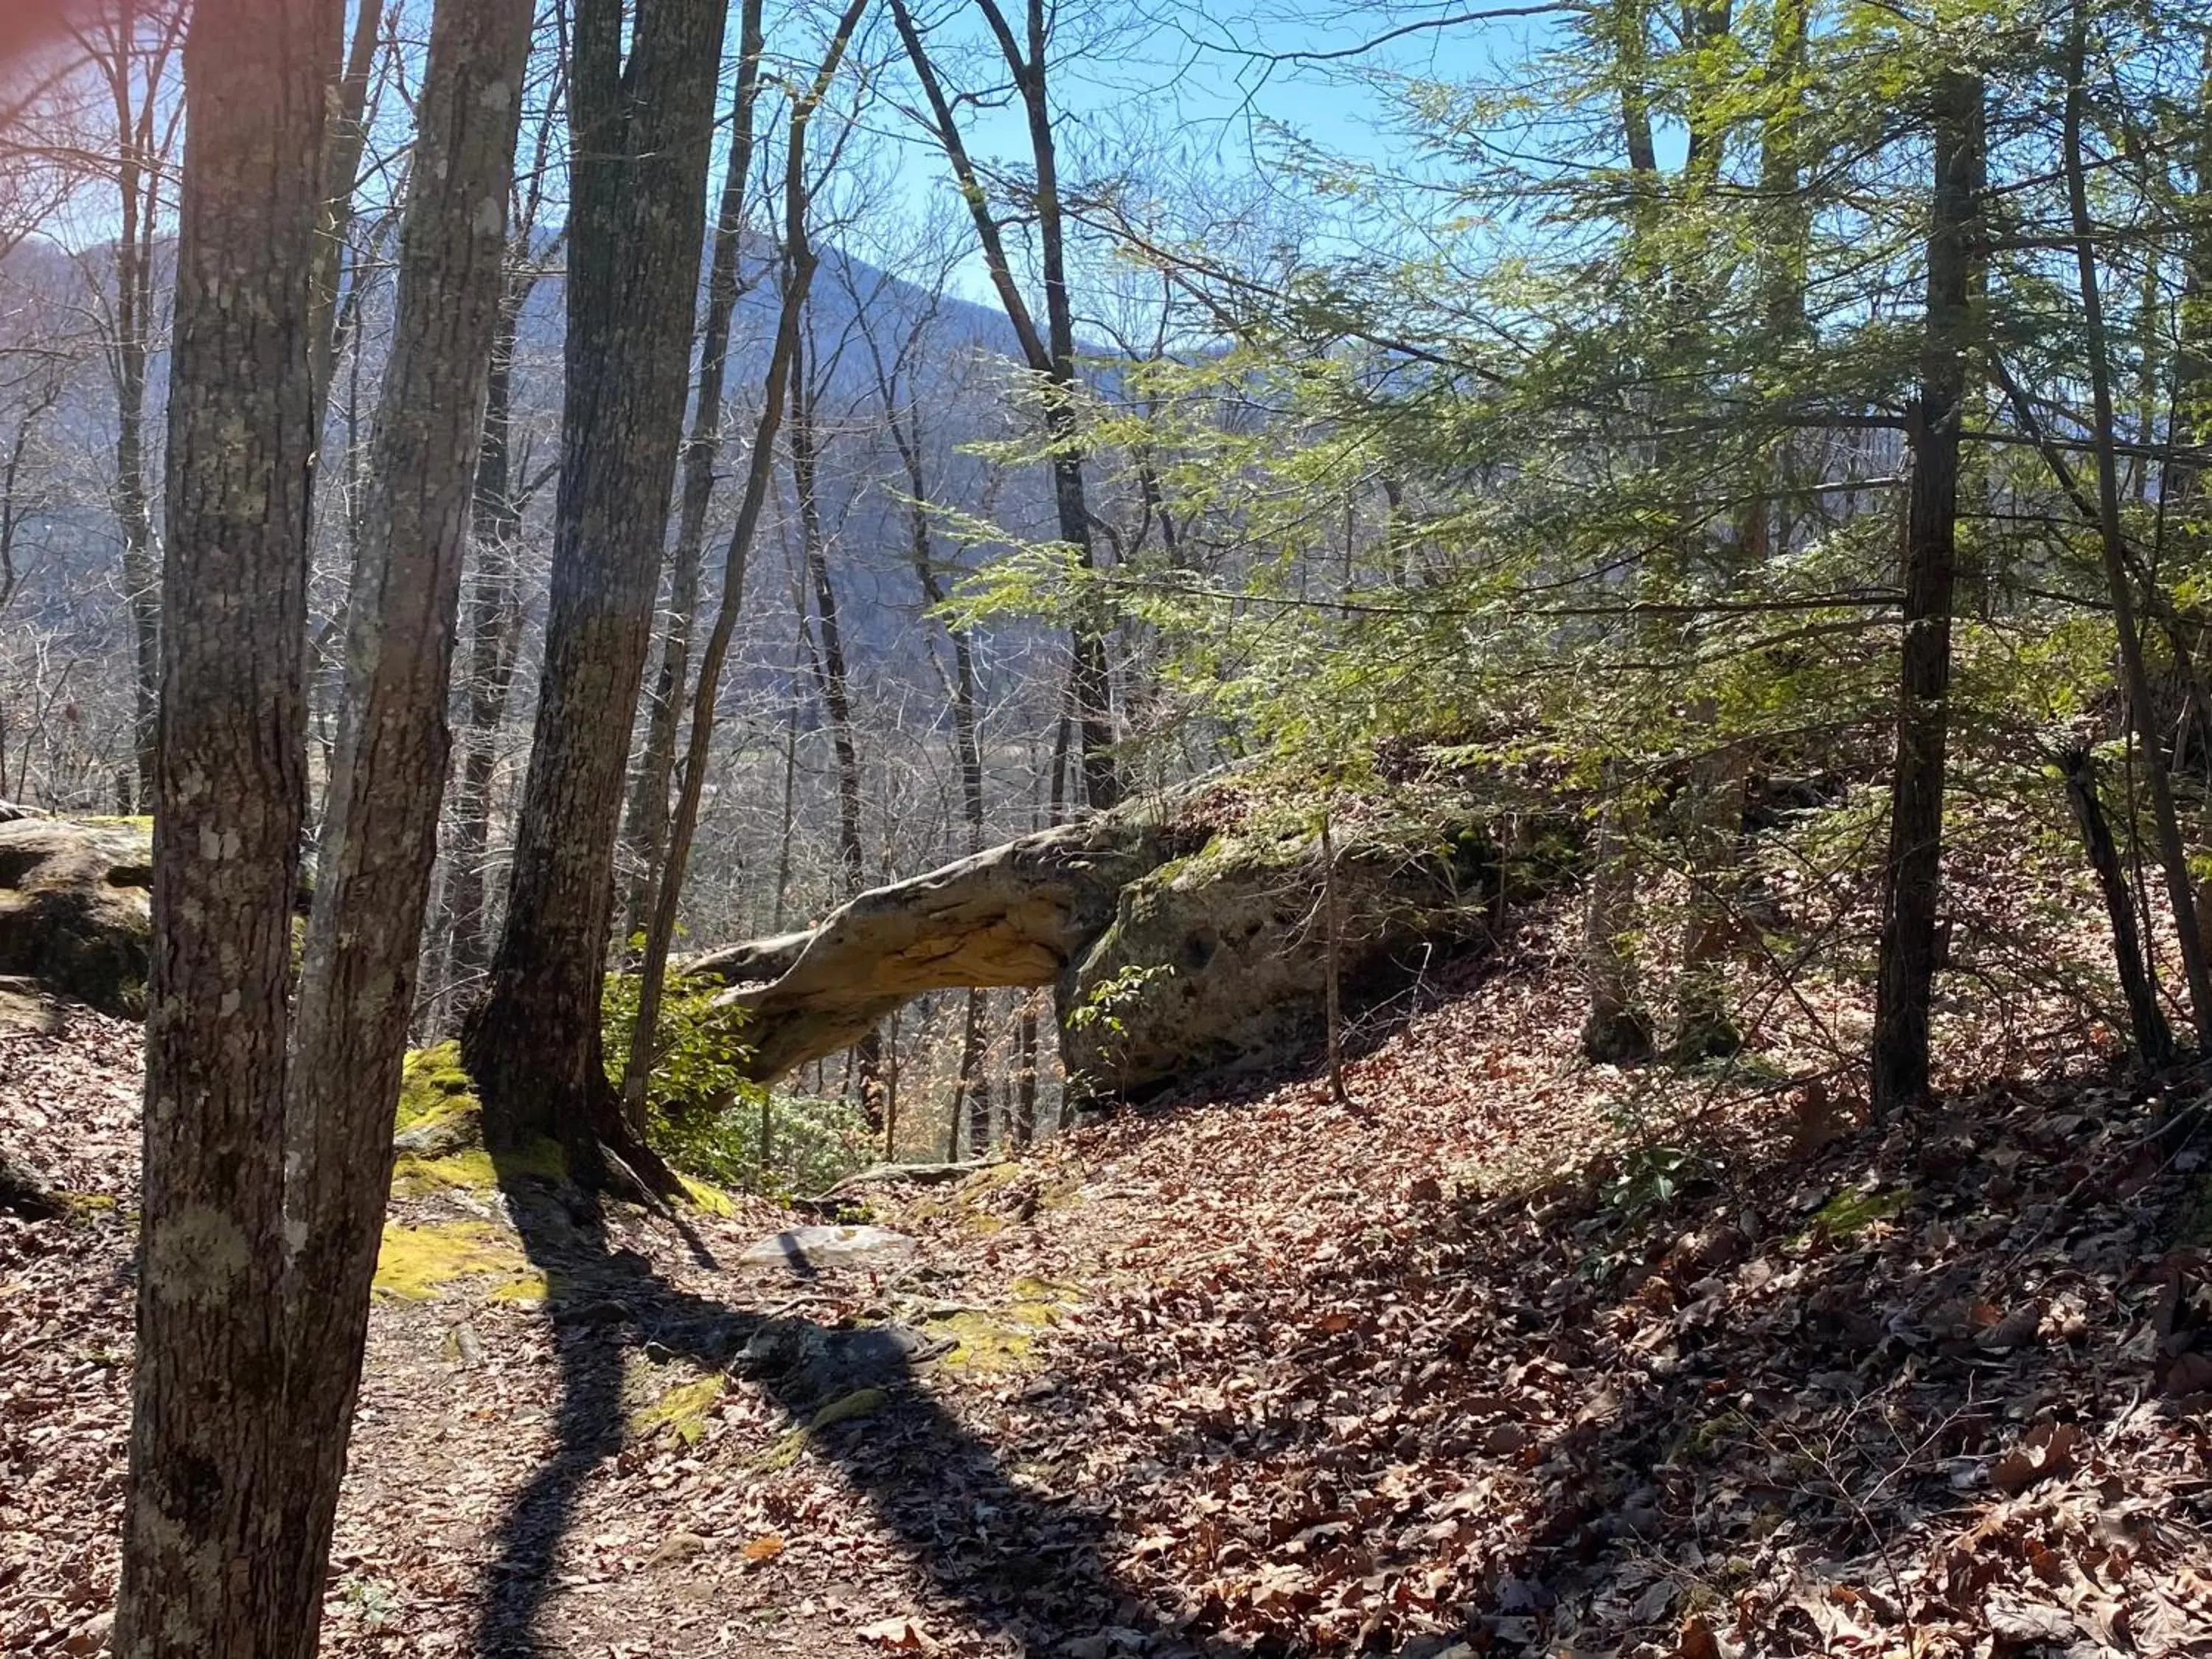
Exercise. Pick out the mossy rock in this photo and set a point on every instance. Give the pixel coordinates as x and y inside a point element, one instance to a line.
<point>76,907</point>
<point>1854,1209</point>
<point>1003,1339</point>
<point>680,1412</point>
<point>415,1262</point>
<point>1215,961</point>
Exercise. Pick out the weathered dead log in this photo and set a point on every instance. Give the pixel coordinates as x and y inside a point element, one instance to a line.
<point>1015,915</point>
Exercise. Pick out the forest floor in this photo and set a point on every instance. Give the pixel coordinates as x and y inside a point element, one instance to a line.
<point>1495,1354</point>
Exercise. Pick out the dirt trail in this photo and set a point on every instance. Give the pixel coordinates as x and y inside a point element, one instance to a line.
<point>1458,1362</point>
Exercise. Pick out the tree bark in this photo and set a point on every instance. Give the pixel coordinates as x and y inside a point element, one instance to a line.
<point>638,140</point>
<point>1906,972</point>
<point>2153,1040</point>
<point>211,1471</point>
<point>2111,539</point>
<point>647,821</point>
<point>378,840</point>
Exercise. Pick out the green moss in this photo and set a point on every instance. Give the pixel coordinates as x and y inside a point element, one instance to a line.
<point>434,1087</point>
<point>415,1262</point>
<point>1003,1339</point>
<point>862,1402</point>
<point>707,1197</point>
<point>681,1410</point>
<point>781,1452</point>
<point>1853,1210</point>
<point>473,1170</point>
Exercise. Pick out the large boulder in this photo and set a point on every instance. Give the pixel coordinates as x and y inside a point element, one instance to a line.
<point>1178,942</point>
<point>75,907</point>
<point>1219,961</point>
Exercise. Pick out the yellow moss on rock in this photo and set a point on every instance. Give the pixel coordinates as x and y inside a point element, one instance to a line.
<point>432,1086</point>
<point>415,1262</point>
<point>681,1410</point>
<point>1003,1339</point>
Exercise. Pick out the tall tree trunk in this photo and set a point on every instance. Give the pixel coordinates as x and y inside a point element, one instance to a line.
<point>378,840</point>
<point>143,150</point>
<point>832,678</point>
<point>205,1522</point>
<point>2112,538</point>
<point>493,631</point>
<point>647,820</point>
<point>638,140</point>
<point>785,368</point>
<point>1912,888</point>
<point>1050,354</point>
<point>345,138</point>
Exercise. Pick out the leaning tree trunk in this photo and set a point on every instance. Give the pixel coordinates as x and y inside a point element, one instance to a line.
<point>639,135</point>
<point>2154,1039</point>
<point>1913,870</point>
<point>205,1522</point>
<point>380,832</point>
<point>2112,540</point>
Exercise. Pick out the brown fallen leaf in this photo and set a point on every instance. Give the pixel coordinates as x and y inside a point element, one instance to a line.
<point>765,1547</point>
<point>901,1634</point>
<point>2046,1450</point>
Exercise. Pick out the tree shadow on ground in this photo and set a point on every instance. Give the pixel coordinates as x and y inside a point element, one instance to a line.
<point>1016,1564</point>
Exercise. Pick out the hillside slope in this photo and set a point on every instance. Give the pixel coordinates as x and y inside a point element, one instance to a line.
<point>1453,1362</point>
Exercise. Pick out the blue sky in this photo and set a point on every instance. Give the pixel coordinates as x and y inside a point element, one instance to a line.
<point>1199,78</point>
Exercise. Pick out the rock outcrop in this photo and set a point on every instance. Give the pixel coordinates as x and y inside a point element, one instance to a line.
<point>1172,951</point>
<point>75,907</point>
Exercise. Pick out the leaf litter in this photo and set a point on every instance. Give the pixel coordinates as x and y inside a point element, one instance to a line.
<point>1485,1358</point>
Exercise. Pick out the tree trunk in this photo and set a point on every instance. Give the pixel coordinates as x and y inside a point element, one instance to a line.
<point>1906,972</point>
<point>647,824</point>
<point>212,1472</point>
<point>1616,1031</point>
<point>639,141</point>
<point>378,840</point>
<point>345,138</point>
<point>2153,1040</point>
<point>786,367</point>
<point>143,155</point>
<point>493,631</point>
<point>2113,542</point>
<point>1050,355</point>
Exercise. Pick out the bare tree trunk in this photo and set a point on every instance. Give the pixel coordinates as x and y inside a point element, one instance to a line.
<point>1616,1031</point>
<point>1332,935</point>
<point>1913,870</point>
<point>786,370</point>
<point>2153,1040</point>
<point>1050,354</point>
<point>640,135</point>
<point>143,137</point>
<point>345,138</point>
<point>380,832</point>
<point>212,1470</point>
<point>2173,854</point>
<point>648,822</point>
<point>493,631</point>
